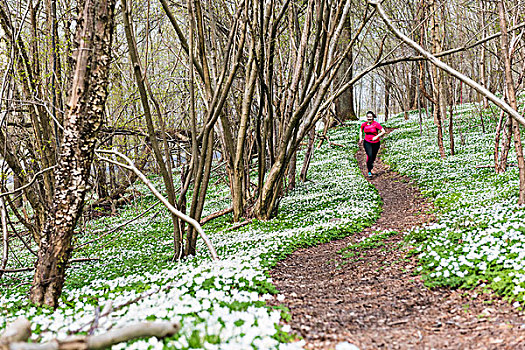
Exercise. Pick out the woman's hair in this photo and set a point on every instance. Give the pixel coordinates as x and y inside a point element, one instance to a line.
<point>373,114</point>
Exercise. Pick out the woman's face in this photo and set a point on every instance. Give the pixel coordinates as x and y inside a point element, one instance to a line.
<point>369,118</point>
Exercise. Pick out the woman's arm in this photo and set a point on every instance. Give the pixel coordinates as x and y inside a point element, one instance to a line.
<point>381,133</point>
<point>360,133</point>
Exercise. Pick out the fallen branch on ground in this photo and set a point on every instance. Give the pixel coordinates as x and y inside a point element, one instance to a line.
<point>216,215</point>
<point>335,144</point>
<point>117,227</point>
<point>330,143</point>
<point>23,269</point>
<point>238,225</point>
<point>17,334</point>
<point>493,166</point>
<point>19,330</point>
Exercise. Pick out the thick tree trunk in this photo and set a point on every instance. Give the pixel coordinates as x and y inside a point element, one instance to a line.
<point>344,104</point>
<point>84,119</point>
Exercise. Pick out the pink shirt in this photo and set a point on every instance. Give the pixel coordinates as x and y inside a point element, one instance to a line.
<point>371,130</point>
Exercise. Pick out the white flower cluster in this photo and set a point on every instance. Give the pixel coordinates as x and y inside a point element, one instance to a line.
<point>479,238</point>
<point>220,305</point>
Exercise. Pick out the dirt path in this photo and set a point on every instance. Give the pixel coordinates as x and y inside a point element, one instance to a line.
<point>375,301</point>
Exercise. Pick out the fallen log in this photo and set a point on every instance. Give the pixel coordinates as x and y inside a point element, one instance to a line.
<point>17,334</point>
<point>18,331</point>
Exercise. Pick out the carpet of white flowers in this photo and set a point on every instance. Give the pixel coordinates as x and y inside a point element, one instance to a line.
<point>479,239</point>
<point>220,305</point>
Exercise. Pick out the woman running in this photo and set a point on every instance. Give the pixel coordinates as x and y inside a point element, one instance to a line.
<point>373,131</point>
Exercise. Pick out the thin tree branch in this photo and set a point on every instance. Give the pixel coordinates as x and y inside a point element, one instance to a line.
<point>157,194</point>
<point>29,183</point>
<point>451,51</point>
<point>499,102</point>
<point>118,227</point>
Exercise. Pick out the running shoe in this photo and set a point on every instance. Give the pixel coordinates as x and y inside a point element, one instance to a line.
<point>369,174</point>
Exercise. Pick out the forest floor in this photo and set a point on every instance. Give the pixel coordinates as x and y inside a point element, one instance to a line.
<point>374,299</point>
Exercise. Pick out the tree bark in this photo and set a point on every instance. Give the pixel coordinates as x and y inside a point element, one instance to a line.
<point>483,57</point>
<point>142,85</point>
<point>308,156</point>
<point>512,99</point>
<point>84,119</point>
<point>388,88</point>
<point>5,235</point>
<point>451,125</point>
<point>436,79</point>
<point>239,185</point>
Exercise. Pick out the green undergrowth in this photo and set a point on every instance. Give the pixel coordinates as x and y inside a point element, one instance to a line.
<point>478,239</point>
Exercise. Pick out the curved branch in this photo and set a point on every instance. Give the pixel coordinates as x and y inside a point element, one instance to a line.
<point>451,51</point>
<point>157,194</point>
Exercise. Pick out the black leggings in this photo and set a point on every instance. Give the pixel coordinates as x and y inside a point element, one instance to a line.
<point>371,150</point>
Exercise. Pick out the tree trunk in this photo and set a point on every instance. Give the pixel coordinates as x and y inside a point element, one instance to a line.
<point>451,125</point>
<point>145,95</point>
<point>84,119</point>
<point>483,57</point>
<point>291,172</point>
<point>308,156</point>
<point>239,185</point>
<point>5,236</point>
<point>411,87</point>
<point>16,184</point>
<point>512,99</point>
<point>497,161</point>
<point>436,79</point>
<point>344,105</point>
<point>388,87</point>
